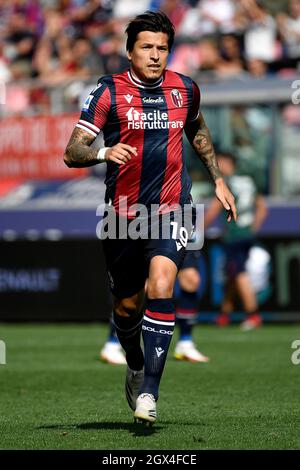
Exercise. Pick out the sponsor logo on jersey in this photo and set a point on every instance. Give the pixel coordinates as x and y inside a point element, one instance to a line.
<point>149,100</point>
<point>154,119</point>
<point>128,98</point>
<point>87,103</point>
<point>177,98</point>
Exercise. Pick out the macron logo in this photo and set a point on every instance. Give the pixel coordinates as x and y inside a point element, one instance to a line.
<point>179,246</point>
<point>128,98</point>
<point>159,351</point>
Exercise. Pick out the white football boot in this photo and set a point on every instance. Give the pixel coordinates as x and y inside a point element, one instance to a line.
<point>145,408</point>
<point>185,350</point>
<point>112,353</point>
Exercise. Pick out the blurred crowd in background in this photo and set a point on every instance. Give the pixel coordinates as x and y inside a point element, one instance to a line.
<point>58,41</point>
<point>52,53</point>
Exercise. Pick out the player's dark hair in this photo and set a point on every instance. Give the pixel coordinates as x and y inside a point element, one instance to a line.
<point>157,22</point>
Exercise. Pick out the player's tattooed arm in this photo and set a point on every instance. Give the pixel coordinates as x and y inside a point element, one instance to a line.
<point>200,138</point>
<point>78,152</point>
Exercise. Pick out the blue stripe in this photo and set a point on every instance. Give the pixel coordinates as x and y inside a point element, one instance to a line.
<point>188,83</point>
<point>88,114</point>
<point>111,134</point>
<point>186,182</point>
<point>154,160</point>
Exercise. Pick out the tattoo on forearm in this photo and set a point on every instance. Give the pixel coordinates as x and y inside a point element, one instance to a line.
<point>78,153</point>
<point>202,144</point>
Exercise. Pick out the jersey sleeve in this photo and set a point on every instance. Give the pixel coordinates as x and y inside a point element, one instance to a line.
<point>195,104</point>
<point>95,109</point>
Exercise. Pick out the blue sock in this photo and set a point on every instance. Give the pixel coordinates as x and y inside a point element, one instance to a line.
<point>186,313</point>
<point>128,330</point>
<point>158,328</point>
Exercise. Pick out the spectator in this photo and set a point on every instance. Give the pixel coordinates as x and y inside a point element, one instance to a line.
<point>260,33</point>
<point>113,59</point>
<point>126,9</point>
<point>257,68</point>
<point>289,29</point>
<point>19,40</point>
<point>217,15</point>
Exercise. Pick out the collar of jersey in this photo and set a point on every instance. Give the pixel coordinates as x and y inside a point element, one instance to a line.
<point>136,81</point>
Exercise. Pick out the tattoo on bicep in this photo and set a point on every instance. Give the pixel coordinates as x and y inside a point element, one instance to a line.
<point>79,136</point>
<point>203,146</point>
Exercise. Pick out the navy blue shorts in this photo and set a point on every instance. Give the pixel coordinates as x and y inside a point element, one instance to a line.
<point>191,259</point>
<point>237,253</point>
<point>128,260</point>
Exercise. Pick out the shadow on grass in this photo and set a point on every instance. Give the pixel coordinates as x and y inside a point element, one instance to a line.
<point>135,429</point>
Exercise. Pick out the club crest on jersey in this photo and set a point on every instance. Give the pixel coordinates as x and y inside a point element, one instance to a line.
<point>177,98</point>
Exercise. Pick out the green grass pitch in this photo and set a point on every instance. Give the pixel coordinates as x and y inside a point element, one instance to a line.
<point>56,394</point>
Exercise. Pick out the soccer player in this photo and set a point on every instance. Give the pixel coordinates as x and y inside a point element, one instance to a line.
<point>239,237</point>
<point>143,113</point>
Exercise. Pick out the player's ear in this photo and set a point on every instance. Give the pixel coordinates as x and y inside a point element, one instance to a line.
<point>128,55</point>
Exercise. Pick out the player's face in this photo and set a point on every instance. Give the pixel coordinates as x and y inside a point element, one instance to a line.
<point>149,56</point>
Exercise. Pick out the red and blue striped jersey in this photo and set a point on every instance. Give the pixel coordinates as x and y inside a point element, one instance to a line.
<point>150,117</point>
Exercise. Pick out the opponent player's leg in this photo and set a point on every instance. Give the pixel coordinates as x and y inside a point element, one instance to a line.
<point>227,306</point>
<point>158,327</point>
<point>186,315</point>
<point>248,298</point>
<point>112,352</point>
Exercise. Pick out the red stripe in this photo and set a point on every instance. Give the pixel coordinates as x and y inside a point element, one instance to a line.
<point>129,177</point>
<point>186,311</point>
<point>160,316</point>
<point>172,182</point>
<point>102,109</point>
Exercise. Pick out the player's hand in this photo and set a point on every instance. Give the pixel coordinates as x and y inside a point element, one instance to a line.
<point>120,153</point>
<point>226,198</point>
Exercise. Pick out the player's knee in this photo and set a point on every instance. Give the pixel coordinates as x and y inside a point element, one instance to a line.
<point>193,283</point>
<point>189,280</point>
<point>160,287</point>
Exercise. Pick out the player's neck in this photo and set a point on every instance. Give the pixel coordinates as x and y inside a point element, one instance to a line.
<point>138,80</point>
